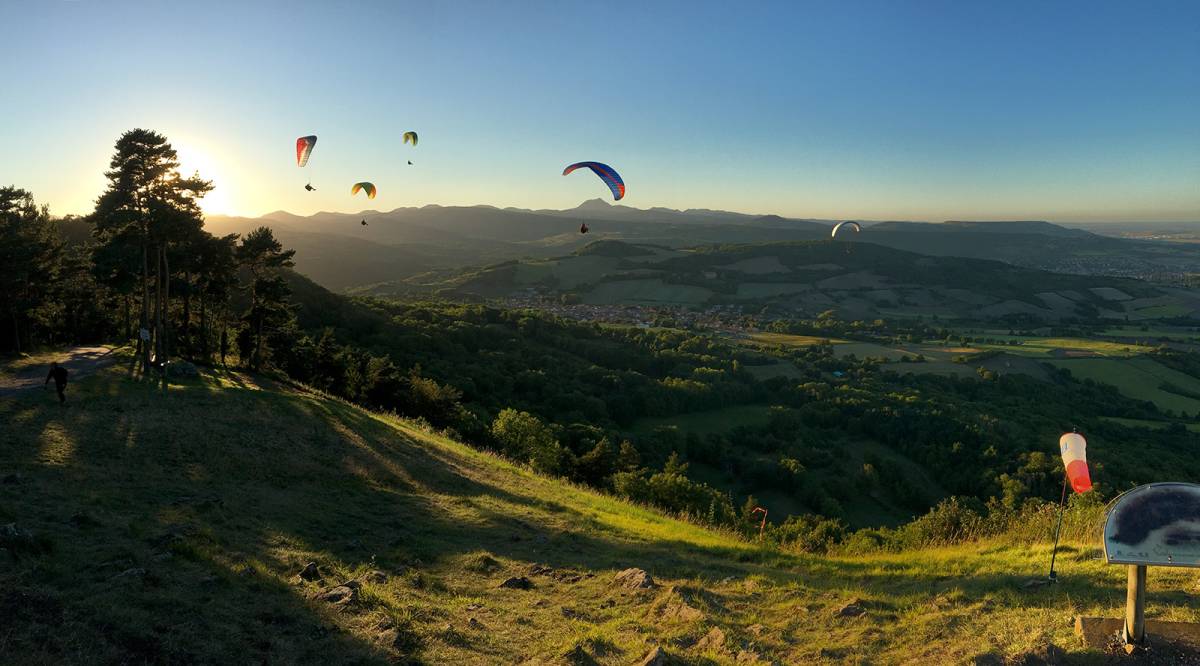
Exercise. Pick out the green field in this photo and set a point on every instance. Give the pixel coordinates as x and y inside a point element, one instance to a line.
<point>1143,423</point>
<point>1153,333</point>
<point>702,423</point>
<point>789,340</point>
<point>1138,378</point>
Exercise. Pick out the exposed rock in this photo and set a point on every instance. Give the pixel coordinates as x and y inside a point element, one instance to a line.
<point>340,595</point>
<point>748,657</point>
<point>517,583</point>
<point>713,640</point>
<point>634,579</point>
<point>474,624</point>
<point>376,576</point>
<point>569,613</point>
<point>676,609</point>
<point>656,657</point>
<point>310,572</point>
<point>474,607</point>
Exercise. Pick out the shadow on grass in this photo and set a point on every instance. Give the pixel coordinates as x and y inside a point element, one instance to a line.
<point>177,522</point>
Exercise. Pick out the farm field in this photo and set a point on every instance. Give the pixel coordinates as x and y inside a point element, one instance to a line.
<point>1138,378</point>
<point>1145,423</point>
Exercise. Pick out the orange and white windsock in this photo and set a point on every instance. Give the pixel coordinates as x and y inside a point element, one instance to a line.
<point>1074,455</point>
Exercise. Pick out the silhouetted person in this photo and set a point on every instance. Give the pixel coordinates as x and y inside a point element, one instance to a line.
<point>364,223</point>
<point>309,187</point>
<point>59,375</point>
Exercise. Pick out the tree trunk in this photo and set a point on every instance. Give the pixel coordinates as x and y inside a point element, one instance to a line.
<point>126,316</point>
<point>258,342</point>
<point>186,331</point>
<point>144,345</point>
<point>203,328</point>
<point>164,335</point>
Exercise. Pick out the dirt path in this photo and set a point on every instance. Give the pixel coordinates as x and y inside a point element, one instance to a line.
<point>79,361</point>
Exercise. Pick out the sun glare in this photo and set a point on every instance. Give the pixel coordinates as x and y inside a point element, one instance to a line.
<point>193,160</point>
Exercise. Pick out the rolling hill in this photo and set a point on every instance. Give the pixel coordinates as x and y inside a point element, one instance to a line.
<point>857,279</point>
<point>402,243</point>
<point>241,520</point>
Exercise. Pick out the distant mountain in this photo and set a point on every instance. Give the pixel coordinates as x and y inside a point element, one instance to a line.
<point>341,253</point>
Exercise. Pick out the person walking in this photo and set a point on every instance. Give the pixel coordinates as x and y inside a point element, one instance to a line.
<point>59,375</point>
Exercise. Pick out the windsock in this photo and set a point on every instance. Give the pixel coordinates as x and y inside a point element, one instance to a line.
<point>1074,455</point>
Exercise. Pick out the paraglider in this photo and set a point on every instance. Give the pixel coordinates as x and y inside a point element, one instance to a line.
<point>410,137</point>
<point>849,223</point>
<point>1074,455</point>
<point>304,148</point>
<point>606,173</point>
<point>369,188</point>
<point>583,228</point>
<point>364,222</point>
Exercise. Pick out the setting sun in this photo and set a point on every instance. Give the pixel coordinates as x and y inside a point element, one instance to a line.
<point>194,160</point>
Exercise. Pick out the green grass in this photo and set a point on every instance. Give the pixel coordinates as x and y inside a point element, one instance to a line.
<point>702,423</point>
<point>1139,378</point>
<point>789,340</point>
<point>169,530</point>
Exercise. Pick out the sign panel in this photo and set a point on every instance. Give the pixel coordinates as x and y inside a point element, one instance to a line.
<point>1155,525</point>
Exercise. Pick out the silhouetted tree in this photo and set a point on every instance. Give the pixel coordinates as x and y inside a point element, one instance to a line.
<point>29,253</point>
<point>263,256</point>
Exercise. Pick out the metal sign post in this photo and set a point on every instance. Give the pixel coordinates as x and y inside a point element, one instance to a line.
<point>1153,525</point>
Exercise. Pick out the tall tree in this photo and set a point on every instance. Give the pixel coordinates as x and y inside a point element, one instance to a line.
<point>263,256</point>
<point>216,278</point>
<point>149,204</point>
<point>29,252</point>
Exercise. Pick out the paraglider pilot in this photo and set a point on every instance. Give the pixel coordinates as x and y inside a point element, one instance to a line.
<point>59,375</point>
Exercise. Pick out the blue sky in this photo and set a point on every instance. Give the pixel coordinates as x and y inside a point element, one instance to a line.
<point>900,110</point>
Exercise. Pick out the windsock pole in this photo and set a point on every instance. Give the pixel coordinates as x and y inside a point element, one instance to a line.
<point>1053,578</point>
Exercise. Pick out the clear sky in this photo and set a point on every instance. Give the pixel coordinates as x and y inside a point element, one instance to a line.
<point>1067,111</point>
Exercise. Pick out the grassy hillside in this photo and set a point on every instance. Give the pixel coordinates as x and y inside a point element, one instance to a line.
<point>158,530</point>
